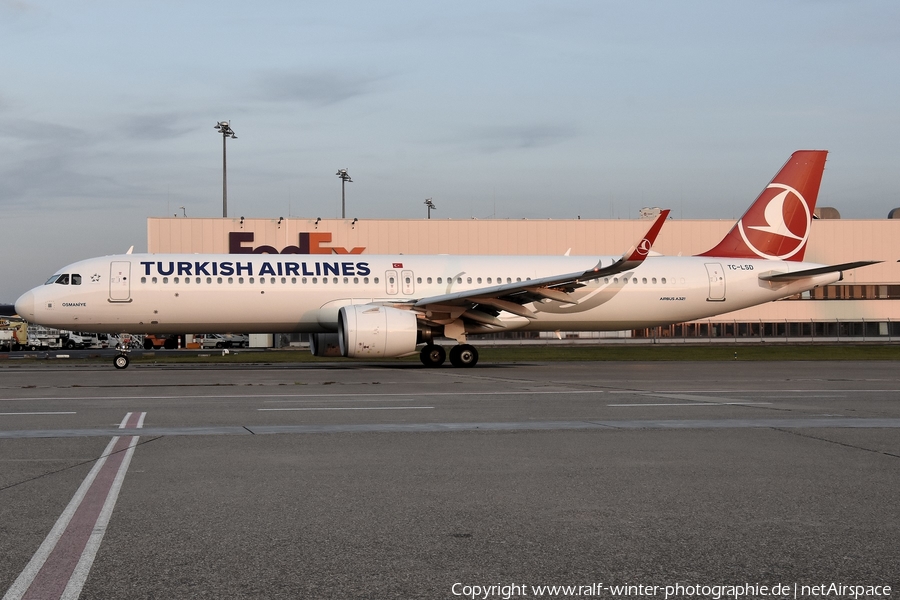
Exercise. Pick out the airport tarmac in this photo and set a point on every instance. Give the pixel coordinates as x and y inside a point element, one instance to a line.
<point>389,480</point>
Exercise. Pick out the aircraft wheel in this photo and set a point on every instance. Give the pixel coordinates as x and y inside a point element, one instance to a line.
<point>432,355</point>
<point>463,355</point>
<point>121,361</point>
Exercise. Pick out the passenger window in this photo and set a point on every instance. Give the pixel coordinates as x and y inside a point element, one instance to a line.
<point>209,280</point>
<point>153,280</point>
<point>663,279</point>
<point>653,280</point>
<point>459,280</point>
<point>644,280</point>
<point>176,280</point>
<point>283,280</point>
<point>165,280</point>
<point>375,280</point>
<point>440,280</point>
<point>231,280</point>
<point>468,280</point>
<point>143,280</point>
<point>356,280</point>
<point>489,280</point>
<point>479,280</point>
<point>428,279</point>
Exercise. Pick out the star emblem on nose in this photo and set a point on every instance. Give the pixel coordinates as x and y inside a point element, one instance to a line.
<point>95,277</point>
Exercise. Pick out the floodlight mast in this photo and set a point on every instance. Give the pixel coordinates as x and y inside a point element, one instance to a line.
<point>224,127</point>
<point>430,206</point>
<point>345,179</point>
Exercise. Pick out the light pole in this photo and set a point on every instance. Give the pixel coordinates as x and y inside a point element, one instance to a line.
<point>224,127</point>
<point>345,179</point>
<point>430,206</point>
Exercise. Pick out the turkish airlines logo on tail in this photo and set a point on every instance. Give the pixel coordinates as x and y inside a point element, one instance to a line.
<point>780,229</point>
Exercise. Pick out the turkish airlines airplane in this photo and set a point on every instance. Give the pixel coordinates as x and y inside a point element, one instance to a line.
<point>391,306</point>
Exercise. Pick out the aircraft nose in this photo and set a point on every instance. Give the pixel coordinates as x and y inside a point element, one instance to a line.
<point>25,306</point>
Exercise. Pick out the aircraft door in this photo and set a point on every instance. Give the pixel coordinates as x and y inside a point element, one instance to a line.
<point>120,281</point>
<point>390,280</point>
<point>716,282</point>
<point>406,280</point>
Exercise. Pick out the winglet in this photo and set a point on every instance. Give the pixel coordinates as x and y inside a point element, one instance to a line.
<point>642,249</point>
<point>635,255</point>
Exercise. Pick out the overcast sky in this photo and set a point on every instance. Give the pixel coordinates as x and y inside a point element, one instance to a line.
<point>494,109</point>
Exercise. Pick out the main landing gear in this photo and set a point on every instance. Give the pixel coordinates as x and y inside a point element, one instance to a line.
<point>462,355</point>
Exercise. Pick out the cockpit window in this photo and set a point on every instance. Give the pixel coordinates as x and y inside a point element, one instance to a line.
<point>76,279</point>
<point>62,279</point>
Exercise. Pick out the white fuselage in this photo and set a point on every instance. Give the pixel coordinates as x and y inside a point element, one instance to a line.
<point>303,293</point>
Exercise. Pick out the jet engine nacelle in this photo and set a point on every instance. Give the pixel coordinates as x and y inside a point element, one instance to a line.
<point>324,344</point>
<point>369,330</point>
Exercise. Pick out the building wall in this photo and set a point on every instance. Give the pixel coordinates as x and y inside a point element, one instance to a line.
<point>831,242</point>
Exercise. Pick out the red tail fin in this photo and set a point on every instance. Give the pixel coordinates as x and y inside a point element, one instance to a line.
<point>777,225</point>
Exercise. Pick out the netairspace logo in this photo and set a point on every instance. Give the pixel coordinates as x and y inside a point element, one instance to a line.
<point>696,591</point>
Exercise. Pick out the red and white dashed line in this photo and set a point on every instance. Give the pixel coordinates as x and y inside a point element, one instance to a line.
<point>61,565</point>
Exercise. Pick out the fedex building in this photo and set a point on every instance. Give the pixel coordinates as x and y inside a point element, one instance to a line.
<point>865,305</point>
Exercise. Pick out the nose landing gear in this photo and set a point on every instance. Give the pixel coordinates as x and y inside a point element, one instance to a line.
<point>121,361</point>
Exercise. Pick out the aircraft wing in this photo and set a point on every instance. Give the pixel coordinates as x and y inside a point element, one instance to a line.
<point>512,296</point>
<point>794,275</point>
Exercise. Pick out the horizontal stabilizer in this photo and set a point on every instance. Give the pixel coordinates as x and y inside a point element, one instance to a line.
<point>794,275</point>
